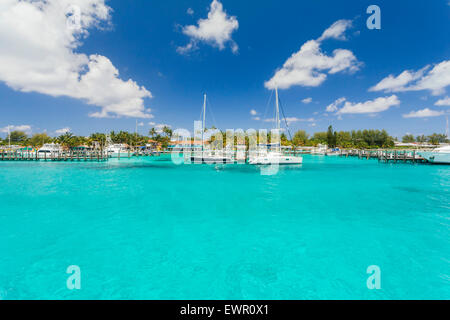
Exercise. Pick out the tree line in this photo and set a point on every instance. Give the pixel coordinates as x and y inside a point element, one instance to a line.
<point>360,139</point>
<point>435,138</point>
<point>70,140</point>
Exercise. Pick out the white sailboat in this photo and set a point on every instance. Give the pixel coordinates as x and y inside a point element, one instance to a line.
<point>208,156</point>
<point>268,157</point>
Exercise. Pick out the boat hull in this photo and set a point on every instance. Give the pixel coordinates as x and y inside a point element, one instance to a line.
<point>211,160</point>
<point>120,154</point>
<point>279,161</point>
<point>436,157</point>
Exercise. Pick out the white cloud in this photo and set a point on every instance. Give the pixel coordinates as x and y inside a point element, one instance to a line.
<point>309,66</point>
<point>256,118</point>
<point>334,106</point>
<point>159,127</point>
<point>371,106</point>
<point>393,84</point>
<point>307,100</point>
<point>336,30</point>
<point>24,127</point>
<point>292,120</point>
<point>151,123</point>
<point>190,11</point>
<point>253,112</point>
<point>63,130</point>
<point>434,79</point>
<point>424,113</point>
<point>40,53</point>
<point>215,30</point>
<point>443,102</point>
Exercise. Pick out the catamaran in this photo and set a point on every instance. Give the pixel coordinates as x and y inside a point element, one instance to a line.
<point>267,157</point>
<point>209,156</point>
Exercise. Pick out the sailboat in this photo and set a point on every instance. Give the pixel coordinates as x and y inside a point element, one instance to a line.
<point>268,157</point>
<point>207,156</point>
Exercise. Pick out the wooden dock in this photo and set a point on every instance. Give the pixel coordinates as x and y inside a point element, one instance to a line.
<point>95,155</point>
<point>385,155</point>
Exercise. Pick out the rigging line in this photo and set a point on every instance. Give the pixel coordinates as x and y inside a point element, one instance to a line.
<point>201,114</point>
<point>284,117</point>
<point>267,104</point>
<point>212,114</point>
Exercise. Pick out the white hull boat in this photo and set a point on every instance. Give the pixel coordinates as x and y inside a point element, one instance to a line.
<point>275,156</point>
<point>49,150</point>
<point>118,151</point>
<point>439,155</point>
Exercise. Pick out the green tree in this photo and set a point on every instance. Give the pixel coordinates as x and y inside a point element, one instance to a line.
<point>168,132</point>
<point>300,138</point>
<point>319,138</point>
<point>100,138</point>
<point>408,138</point>
<point>152,132</point>
<point>331,137</point>
<point>421,138</point>
<point>39,139</point>
<point>17,137</point>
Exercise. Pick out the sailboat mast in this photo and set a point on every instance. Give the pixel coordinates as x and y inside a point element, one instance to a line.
<point>277,110</point>
<point>446,130</point>
<point>204,118</point>
<point>9,137</point>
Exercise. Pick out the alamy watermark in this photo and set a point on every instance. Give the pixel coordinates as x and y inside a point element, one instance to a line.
<point>73,15</point>
<point>374,280</point>
<point>374,21</point>
<point>74,280</point>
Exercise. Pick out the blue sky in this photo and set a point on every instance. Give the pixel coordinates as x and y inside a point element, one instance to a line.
<point>172,57</point>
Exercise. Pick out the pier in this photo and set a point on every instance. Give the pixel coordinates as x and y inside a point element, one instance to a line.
<point>88,155</point>
<point>385,155</point>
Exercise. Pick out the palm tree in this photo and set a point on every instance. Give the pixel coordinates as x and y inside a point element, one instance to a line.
<point>152,132</point>
<point>167,131</point>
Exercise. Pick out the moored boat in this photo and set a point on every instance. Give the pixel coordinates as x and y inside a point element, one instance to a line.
<point>267,157</point>
<point>49,150</point>
<point>118,151</point>
<point>440,155</point>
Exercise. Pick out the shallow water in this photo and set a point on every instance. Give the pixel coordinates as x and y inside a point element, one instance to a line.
<point>147,229</point>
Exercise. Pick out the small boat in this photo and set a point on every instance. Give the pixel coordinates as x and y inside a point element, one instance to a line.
<point>49,150</point>
<point>118,151</point>
<point>319,150</point>
<point>333,152</point>
<point>273,157</point>
<point>440,155</point>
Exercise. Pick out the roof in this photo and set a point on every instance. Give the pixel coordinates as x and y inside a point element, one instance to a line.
<point>188,142</point>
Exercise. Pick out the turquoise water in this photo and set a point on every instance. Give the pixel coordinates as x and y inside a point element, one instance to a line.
<point>147,229</point>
